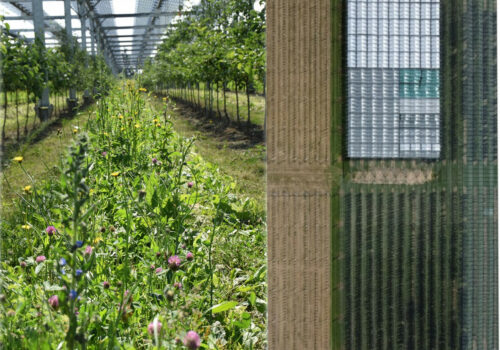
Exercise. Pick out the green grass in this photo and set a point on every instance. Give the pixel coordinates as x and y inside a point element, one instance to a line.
<point>42,153</point>
<point>246,164</point>
<point>119,218</point>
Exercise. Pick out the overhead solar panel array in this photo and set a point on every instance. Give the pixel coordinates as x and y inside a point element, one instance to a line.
<point>124,38</point>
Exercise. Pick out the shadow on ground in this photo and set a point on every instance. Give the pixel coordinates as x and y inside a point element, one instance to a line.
<point>235,135</point>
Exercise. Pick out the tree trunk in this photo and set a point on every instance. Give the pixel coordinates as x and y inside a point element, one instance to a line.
<point>27,112</point>
<point>248,104</point>
<point>218,105</point>
<point>5,103</point>
<point>199,101</point>
<point>17,115</point>
<point>237,103</point>
<point>224,87</point>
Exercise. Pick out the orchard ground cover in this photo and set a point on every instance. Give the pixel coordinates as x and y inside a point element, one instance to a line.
<point>139,243</point>
<point>22,124</point>
<point>42,151</point>
<point>237,150</point>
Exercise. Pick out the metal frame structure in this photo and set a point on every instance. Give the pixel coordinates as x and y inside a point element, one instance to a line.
<point>152,18</point>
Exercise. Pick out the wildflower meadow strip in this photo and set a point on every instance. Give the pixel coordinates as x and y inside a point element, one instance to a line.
<point>139,244</point>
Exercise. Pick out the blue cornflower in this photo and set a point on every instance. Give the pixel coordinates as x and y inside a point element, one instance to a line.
<point>63,272</point>
<point>79,244</point>
<point>78,272</point>
<point>62,262</point>
<point>73,294</point>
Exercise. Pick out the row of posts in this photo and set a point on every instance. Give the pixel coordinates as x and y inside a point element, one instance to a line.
<point>44,108</point>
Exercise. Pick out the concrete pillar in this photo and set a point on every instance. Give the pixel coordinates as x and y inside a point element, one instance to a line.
<point>69,32</point>
<point>43,107</point>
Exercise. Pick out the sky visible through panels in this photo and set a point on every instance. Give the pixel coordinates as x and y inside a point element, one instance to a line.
<point>56,8</point>
<point>127,44</point>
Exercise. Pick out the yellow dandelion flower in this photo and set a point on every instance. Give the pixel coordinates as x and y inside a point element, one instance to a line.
<point>122,129</point>
<point>158,125</point>
<point>75,131</point>
<point>18,159</point>
<point>137,126</point>
<point>120,116</point>
<point>91,192</point>
<point>26,227</point>
<point>165,99</point>
<point>27,189</point>
<point>115,174</point>
<point>143,89</point>
<point>97,240</point>
<point>155,120</point>
<point>105,134</point>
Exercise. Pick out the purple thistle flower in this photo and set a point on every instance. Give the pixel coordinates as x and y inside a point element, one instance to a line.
<point>40,258</point>
<point>190,184</point>
<point>189,256</point>
<point>22,264</point>
<point>154,161</point>
<point>174,262</point>
<point>155,325</point>
<point>51,230</point>
<point>159,270</point>
<point>88,250</point>
<point>104,153</point>
<point>54,302</point>
<point>192,340</point>
<point>105,284</point>
<point>178,285</point>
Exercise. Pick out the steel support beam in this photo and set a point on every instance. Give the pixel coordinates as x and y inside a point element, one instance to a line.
<point>103,16</point>
<point>92,38</point>
<point>83,20</point>
<point>100,34</point>
<point>151,40</point>
<point>69,34</point>
<point>29,18</point>
<point>46,28</point>
<point>43,107</point>
<point>135,27</point>
<point>134,35</point>
<point>151,24</point>
<point>139,14</point>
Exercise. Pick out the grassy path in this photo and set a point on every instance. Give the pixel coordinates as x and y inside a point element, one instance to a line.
<point>237,154</point>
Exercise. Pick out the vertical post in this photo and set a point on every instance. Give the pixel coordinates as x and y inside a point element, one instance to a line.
<point>83,21</point>
<point>43,108</point>
<point>92,37</point>
<point>69,32</point>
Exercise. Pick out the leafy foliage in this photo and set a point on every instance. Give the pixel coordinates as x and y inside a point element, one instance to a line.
<point>220,43</point>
